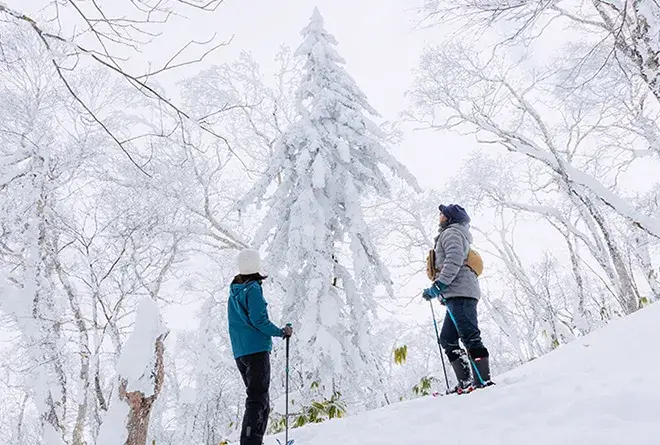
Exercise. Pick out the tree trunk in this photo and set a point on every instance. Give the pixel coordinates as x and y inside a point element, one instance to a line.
<point>579,308</point>
<point>634,36</point>
<point>626,295</point>
<point>140,406</point>
<point>84,352</point>
<point>644,257</point>
<point>46,337</point>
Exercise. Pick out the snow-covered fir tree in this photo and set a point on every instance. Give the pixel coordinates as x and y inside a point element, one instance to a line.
<point>317,240</point>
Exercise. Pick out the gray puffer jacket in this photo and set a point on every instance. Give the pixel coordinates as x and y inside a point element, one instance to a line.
<point>451,248</point>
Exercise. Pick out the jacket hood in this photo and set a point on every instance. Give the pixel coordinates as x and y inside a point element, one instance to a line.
<point>464,228</point>
<point>235,288</point>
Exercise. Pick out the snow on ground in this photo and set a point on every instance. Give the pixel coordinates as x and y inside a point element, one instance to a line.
<point>602,389</point>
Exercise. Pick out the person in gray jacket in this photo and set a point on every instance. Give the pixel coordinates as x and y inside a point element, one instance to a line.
<point>458,288</point>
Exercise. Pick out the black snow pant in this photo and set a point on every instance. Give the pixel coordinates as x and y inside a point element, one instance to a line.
<point>255,370</point>
<point>466,328</point>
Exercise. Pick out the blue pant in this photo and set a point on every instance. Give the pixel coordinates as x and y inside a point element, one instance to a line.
<point>466,328</point>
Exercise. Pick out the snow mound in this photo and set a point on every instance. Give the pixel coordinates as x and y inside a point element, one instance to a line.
<point>602,389</point>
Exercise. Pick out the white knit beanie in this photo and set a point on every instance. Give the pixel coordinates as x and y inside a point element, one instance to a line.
<point>248,262</point>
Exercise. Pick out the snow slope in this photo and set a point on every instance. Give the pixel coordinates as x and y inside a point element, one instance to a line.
<point>602,389</point>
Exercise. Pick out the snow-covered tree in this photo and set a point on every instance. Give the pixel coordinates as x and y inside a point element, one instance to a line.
<point>80,240</point>
<point>579,142</point>
<point>318,242</point>
<point>141,372</point>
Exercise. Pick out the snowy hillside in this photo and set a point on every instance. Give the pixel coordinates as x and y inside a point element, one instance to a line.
<point>602,389</point>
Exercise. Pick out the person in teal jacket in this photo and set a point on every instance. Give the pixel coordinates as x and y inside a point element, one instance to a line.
<point>251,332</point>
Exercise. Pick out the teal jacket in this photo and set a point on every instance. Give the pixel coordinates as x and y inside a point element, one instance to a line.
<point>250,329</point>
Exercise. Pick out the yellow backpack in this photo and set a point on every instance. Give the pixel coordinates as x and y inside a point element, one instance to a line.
<point>430,265</point>
<point>473,261</point>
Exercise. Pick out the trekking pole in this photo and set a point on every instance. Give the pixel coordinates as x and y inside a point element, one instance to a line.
<point>286,389</point>
<point>286,396</point>
<point>474,365</point>
<point>437,336</point>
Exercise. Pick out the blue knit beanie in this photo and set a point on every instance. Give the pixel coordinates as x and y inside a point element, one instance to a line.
<point>454,213</point>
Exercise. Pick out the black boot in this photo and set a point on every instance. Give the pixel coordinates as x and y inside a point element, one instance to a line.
<point>482,372</point>
<point>461,368</point>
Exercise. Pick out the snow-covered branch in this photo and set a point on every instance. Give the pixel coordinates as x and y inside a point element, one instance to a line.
<point>114,35</point>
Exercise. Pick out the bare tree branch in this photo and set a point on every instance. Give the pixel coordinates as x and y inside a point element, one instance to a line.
<point>110,61</point>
